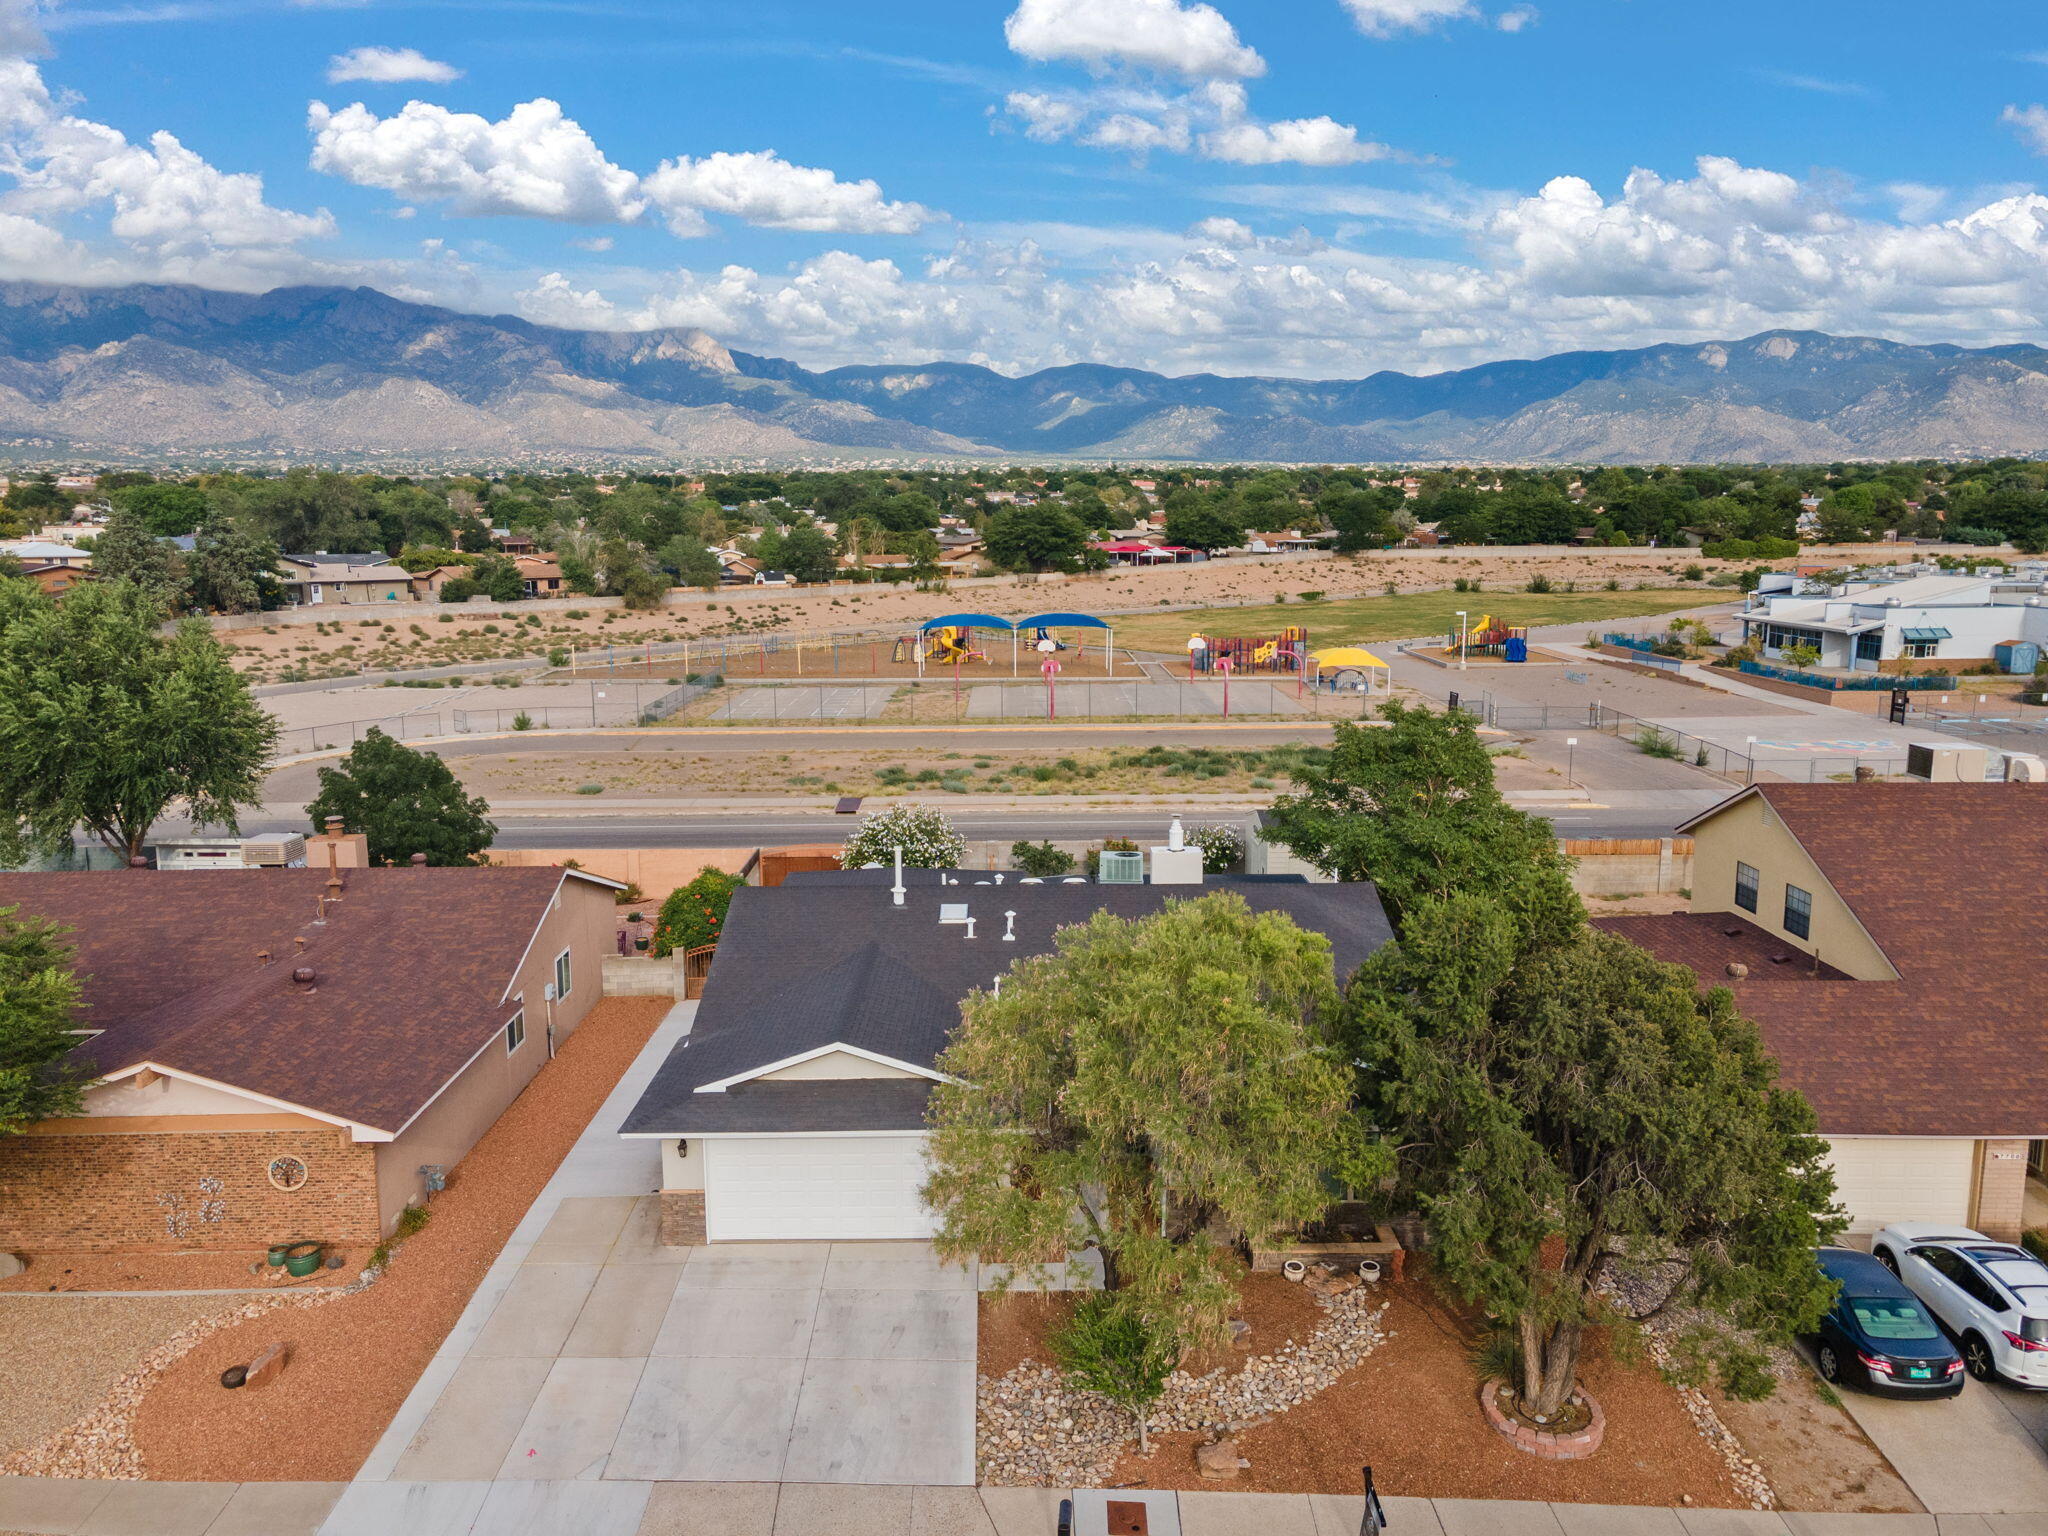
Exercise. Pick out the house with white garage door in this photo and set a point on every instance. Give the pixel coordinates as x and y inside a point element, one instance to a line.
<point>1887,940</point>
<point>795,1107</point>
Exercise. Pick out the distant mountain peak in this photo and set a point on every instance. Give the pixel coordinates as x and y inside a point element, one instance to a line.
<point>333,373</point>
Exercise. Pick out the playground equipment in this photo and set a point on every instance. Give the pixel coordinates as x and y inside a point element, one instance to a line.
<point>952,643</point>
<point>1349,669</point>
<point>1283,652</point>
<point>1491,637</point>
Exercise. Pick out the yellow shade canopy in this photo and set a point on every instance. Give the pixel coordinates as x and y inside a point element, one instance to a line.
<point>1345,656</point>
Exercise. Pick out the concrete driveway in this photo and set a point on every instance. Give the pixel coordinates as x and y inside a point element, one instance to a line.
<point>609,1357</point>
<point>1980,1453</point>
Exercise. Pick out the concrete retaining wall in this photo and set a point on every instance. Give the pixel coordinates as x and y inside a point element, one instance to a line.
<point>642,976</point>
<point>1630,866</point>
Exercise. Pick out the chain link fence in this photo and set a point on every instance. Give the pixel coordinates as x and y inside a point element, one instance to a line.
<point>938,704</point>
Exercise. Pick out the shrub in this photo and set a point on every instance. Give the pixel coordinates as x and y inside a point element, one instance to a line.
<point>412,1220</point>
<point>522,721</point>
<point>1040,858</point>
<point>1108,1348</point>
<point>1656,743</point>
<point>1222,847</point>
<point>630,895</point>
<point>589,789</point>
<point>1539,583</point>
<point>694,913</point>
<point>558,656</point>
<point>926,836</point>
<point>1611,585</point>
<point>1311,597</point>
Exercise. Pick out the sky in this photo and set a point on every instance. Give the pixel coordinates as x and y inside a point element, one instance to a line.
<point>1319,188</point>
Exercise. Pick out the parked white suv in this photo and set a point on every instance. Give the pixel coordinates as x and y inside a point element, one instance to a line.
<point>1992,1296</point>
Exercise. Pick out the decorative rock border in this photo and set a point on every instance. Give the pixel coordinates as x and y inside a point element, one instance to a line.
<point>1549,1445</point>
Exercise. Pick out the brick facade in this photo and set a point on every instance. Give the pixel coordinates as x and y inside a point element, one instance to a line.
<point>682,1218</point>
<point>181,1191</point>
<point>2001,1189</point>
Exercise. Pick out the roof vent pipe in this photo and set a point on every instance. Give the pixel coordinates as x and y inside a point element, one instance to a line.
<point>896,890</point>
<point>970,927</point>
<point>1010,928</point>
<point>1176,839</point>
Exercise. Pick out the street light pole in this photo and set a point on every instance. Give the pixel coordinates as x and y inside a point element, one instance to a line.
<point>1571,760</point>
<point>1461,639</point>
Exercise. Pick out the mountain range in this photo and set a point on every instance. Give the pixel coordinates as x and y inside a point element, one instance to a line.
<point>352,375</point>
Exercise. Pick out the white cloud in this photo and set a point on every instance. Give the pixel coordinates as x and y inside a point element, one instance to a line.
<point>161,199</point>
<point>2031,124</point>
<point>554,300</point>
<point>1519,19</point>
<point>1297,141</point>
<point>1194,41</point>
<point>1234,233</point>
<point>534,161</point>
<point>597,243</point>
<point>388,66</point>
<point>1818,85</point>
<point>764,189</point>
<point>1388,18</point>
<point>1212,120</point>
<point>1045,118</point>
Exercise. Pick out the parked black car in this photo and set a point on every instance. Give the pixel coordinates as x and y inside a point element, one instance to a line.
<point>1878,1336</point>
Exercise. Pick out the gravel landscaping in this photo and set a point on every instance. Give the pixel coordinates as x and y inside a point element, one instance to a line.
<point>353,1353</point>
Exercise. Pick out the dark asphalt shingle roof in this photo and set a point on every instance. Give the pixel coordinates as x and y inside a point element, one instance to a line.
<point>1949,880</point>
<point>828,959</point>
<point>411,967</point>
<point>821,1104</point>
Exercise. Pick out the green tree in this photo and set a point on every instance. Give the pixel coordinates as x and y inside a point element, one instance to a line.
<point>1109,1347</point>
<point>691,561</point>
<point>1204,525</point>
<point>1565,1109</point>
<point>807,553</point>
<point>695,913</point>
<point>404,802</point>
<point>1039,538</point>
<point>105,722</point>
<point>1411,806</point>
<point>1040,859</point>
<point>643,589</point>
<point>1159,1089</point>
<point>165,510</point>
<point>38,1017</point>
<point>128,551</point>
<point>231,569</point>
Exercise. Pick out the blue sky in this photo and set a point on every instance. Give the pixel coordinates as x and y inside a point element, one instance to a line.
<point>1324,187</point>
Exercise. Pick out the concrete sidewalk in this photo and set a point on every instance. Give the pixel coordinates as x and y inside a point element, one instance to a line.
<point>60,1507</point>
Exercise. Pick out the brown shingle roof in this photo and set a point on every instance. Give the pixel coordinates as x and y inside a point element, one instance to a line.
<point>1949,881</point>
<point>411,969</point>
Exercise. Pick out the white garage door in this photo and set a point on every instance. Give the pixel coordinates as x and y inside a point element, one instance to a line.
<point>813,1187</point>
<point>1880,1179</point>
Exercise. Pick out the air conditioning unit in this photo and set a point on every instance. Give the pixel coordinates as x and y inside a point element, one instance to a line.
<point>1119,868</point>
<point>287,852</point>
<point>1945,764</point>
<point>2025,768</point>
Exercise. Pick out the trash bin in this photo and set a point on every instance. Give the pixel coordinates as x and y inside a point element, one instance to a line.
<point>301,1259</point>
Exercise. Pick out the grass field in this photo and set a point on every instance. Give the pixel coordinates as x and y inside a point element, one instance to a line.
<point>1353,621</point>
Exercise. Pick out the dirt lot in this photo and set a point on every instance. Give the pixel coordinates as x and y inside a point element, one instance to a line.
<point>1411,1409</point>
<point>1816,1456</point>
<point>361,639</point>
<point>357,1357</point>
<point>677,770</point>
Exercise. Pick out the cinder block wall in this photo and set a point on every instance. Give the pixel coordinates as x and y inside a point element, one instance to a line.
<point>181,1191</point>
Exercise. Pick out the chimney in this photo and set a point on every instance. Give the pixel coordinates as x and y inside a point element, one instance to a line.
<point>1176,863</point>
<point>338,849</point>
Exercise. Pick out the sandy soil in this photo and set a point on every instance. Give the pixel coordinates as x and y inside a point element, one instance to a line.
<point>357,1358</point>
<point>672,770</point>
<point>360,639</point>
<point>1815,1456</point>
<point>83,1345</point>
<point>1411,1409</point>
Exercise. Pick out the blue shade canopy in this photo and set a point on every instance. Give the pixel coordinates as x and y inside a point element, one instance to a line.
<point>967,621</point>
<point>1061,621</point>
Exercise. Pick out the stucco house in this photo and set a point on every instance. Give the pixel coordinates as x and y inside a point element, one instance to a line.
<point>285,1052</point>
<point>343,579</point>
<point>795,1107</point>
<point>1885,938</point>
<point>1926,622</point>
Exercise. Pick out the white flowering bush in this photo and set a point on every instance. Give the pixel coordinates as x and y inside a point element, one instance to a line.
<point>925,835</point>
<point>1222,847</point>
